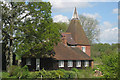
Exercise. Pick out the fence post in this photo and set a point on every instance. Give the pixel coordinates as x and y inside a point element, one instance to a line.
<point>59,76</point>
<point>75,75</point>
<point>41,76</point>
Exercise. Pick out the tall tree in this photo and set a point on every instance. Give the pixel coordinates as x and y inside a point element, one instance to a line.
<point>62,26</point>
<point>28,29</point>
<point>90,27</point>
<point>10,22</point>
<point>39,33</point>
<point>110,67</point>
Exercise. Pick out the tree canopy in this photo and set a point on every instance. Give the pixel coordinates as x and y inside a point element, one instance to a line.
<point>90,27</point>
<point>28,29</point>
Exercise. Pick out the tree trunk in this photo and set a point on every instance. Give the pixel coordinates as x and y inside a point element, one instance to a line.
<point>11,52</point>
<point>7,54</point>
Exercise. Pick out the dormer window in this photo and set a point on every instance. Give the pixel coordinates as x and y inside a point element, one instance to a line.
<point>83,48</point>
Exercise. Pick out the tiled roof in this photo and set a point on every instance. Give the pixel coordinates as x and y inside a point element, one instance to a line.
<point>63,52</point>
<point>77,32</point>
<point>69,38</point>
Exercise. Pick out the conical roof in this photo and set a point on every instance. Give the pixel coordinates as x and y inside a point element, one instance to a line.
<point>77,31</point>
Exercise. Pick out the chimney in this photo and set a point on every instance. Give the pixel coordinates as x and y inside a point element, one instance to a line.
<point>64,40</point>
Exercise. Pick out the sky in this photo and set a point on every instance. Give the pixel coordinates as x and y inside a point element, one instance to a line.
<point>105,12</point>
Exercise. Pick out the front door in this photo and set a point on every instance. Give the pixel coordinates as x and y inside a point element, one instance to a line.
<point>37,64</point>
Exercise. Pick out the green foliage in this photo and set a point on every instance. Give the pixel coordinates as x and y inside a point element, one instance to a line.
<point>23,72</point>
<point>97,50</point>
<point>86,73</point>
<point>18,72</point>
<point>106,59</point>
<point>54,74</point>
<point>33,75</point>
<point>62,70</point>
<point>31,33</point>
<point>40,34</point>
<point>5,75</point>
<point>90,27</point>
<point>12,70</point>
<point>61,73</point>
<point>62,26</point>
<point>110,65</point>
<point>75,69</point>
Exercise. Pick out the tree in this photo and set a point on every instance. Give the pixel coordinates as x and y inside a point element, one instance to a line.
<point>40,34</point>
<point>28,29</point>
<point>10,22</point>
<point>90,27</point>
<point>62,26</point>
<point>110,65</point>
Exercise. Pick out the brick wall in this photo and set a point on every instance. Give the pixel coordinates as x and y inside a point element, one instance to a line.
<point>87,51</point>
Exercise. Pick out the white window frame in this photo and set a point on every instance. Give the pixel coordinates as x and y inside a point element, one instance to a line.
<point>78,63</point>
<point>28,61</point>
<point>84,50</point>
<point>86,63</point>
<point>37,64</point>
<point>70,63</point>
<point>61,63</point>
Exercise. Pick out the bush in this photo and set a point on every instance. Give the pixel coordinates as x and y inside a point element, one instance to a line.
<point>18,72</point>
<point>33,74</point>
<point>23,72</point>
<point>54,74</point>
<point>44,73</point>
<point>69,74</point>
<point>62,70</point>
<point>75,69</point>
<point>74,73</point>
<point>5,75</point>
<point>60,73</point>
<point>12,70</point>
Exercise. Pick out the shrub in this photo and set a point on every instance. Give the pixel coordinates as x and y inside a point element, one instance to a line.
<point>12,70</point>
<point>74,69</point>
<point>5,75</point>
<point>54,74</point>
<point>44,73</point>
<point>33,74</point>
<point>61,74</point>
<point>72,74</point>
<point>23,73</point>
<point>69,74</point>
<point>62,70</point>
<point>18,71</point>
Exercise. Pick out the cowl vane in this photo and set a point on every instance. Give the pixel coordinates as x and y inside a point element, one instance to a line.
<point>75,14</point>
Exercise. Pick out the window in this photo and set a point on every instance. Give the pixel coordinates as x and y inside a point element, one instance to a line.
<point>83,48</point>
<point>86,63</point>
<point>61,63</point>
<point>73,46</point>
<point>37,64</point>
<point>78,63</point>
<point>70,63</point>
<point>28,61</point>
